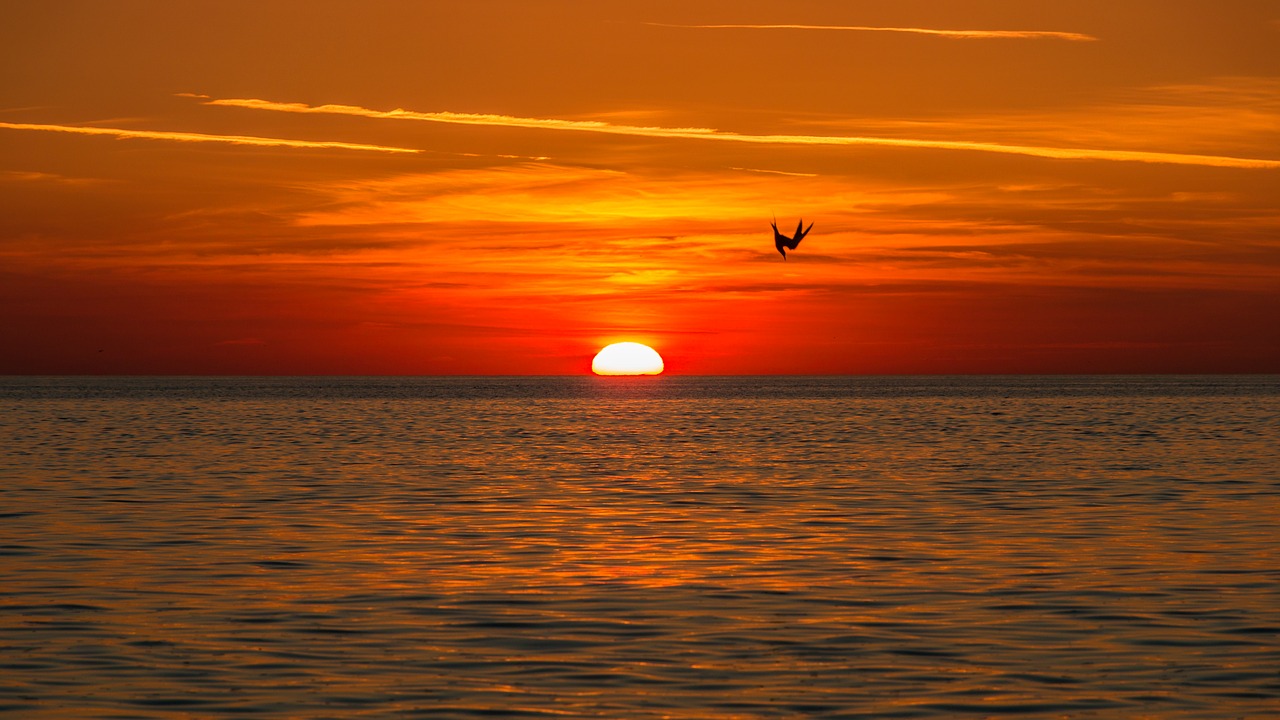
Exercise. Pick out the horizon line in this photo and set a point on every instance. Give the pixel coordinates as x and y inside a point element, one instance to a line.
<point>590,374</point>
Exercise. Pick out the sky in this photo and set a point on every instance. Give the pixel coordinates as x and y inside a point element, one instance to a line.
<point>504,187</point>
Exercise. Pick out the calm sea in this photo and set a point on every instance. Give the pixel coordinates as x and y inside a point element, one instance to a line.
<point>1080,547</point>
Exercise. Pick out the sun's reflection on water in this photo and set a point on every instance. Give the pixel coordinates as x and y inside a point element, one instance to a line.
<point>641,554</point>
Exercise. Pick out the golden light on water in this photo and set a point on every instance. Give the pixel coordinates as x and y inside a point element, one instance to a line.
<point>627,358</point>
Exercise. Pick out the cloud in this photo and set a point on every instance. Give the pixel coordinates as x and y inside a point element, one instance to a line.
<point>597,126</point>
<point>774,172</point>
<point>201,137</point>
<point>1228,116</point>
<point>555,195</point>
<point>955,34</point>
<point>26,176</point>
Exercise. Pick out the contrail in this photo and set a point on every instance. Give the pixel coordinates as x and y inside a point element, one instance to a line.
<point>201,137</point>
<point>596,126</point>
<point>957,34</point>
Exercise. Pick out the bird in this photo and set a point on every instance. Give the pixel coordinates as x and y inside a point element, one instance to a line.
<point>784,243</point>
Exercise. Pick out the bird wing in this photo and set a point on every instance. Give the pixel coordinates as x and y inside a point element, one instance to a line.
<point>791,243</point>
<point>794,241</point>
<point>778,238</point>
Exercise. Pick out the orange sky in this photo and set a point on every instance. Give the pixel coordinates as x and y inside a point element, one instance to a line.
<point>501,186</point>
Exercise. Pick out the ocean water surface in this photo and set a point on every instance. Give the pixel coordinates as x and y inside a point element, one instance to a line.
<point>670,547</point>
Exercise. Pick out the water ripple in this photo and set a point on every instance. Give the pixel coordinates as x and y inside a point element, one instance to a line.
<point>725,547</point>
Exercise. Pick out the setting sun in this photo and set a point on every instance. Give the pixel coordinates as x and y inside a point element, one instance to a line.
<point>627,358</point>
<point>996,197</point>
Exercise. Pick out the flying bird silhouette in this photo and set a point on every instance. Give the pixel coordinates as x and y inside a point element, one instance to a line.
<point>784,243</point>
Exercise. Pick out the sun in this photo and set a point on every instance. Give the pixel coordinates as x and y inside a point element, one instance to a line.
<point>627,358</point>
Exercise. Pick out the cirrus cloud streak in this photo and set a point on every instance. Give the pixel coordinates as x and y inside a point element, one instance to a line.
<point>203,137</point>
<point>597,126</point>
<point>956,34</point>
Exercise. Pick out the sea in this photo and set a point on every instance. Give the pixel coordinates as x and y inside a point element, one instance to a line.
<point>656,547</point>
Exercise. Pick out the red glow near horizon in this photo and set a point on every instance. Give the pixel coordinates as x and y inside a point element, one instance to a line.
<point>249,201</point>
